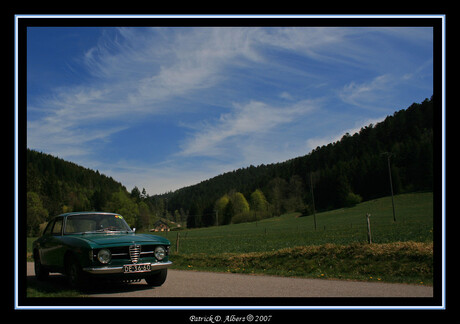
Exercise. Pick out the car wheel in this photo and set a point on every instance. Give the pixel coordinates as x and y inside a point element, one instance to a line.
<point>157,279</point>
<point>40,272</point>
<point>74,273</point>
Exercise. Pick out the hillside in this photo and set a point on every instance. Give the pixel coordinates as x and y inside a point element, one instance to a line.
<point>343,173</point>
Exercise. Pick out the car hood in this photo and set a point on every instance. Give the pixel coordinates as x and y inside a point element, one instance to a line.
<point>123,239</point>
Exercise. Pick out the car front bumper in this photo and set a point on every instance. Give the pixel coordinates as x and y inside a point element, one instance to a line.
<point>120,269</point>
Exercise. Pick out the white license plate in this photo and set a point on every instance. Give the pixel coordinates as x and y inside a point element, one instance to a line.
<point>132,268</point>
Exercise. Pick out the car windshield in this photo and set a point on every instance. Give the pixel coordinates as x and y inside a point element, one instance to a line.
<point>95,223</point>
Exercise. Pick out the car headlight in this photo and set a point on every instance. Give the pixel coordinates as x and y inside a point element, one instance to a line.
<point>160,253</point>
<point>104,256</point>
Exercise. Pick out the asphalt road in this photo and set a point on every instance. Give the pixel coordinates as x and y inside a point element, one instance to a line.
<point>211,284</point>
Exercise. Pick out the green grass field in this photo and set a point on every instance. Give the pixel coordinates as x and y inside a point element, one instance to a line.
<point>414,222</point>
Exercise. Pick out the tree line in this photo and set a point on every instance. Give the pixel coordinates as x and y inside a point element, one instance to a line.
<point>339,174</point>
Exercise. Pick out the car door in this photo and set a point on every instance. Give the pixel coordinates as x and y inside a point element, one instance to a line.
<point>51,245</point>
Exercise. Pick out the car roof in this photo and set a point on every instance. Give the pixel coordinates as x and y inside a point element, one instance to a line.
<point>85,213</point>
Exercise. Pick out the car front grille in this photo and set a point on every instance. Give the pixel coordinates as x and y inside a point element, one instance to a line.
<point>134,252</point>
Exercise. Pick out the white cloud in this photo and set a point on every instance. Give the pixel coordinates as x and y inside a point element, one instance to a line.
<point>253,120</point>
<point>63,139</point>
<point>369,95</point>
<point>286,95</point>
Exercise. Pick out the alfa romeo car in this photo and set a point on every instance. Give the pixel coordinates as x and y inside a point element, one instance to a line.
<point>88,245</point>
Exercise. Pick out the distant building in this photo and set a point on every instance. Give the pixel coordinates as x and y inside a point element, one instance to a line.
<point>160,226</point>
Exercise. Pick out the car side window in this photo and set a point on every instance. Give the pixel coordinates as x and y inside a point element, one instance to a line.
<point>57,228</point>
<point>48,228</point>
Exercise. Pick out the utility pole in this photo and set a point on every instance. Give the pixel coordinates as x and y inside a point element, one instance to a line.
<point>312,198</point>
<point>391,184</point>
<point>369,235</point>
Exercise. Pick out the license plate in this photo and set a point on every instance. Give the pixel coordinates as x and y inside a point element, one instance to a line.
<point>132,268</point>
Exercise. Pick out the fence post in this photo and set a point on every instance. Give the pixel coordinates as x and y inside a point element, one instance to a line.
<point>177,242</point>
<point>369,236</point>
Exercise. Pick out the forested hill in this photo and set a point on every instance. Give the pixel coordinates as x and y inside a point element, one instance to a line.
<point>55,186</point>
<point>342,173</point>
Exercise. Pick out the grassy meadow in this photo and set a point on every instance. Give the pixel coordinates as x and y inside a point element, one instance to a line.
<point>414,222</point>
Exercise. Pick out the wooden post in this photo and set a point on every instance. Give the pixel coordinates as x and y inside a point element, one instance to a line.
<point>177,242</point>
<point>369,236</point>
<point>391,184</point>
<point>391,187</point>
<point>312,198</point>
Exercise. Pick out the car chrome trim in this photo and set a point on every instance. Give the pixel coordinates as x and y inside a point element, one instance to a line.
<point>134,252</point>
<point>120,269</point>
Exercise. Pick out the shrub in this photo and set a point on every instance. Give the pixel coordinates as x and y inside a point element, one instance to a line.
<point>352,199</point>
<point>243,217</point>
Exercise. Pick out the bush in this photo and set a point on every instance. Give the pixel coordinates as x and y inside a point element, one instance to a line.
<point>250,216</point>
<point>243,217</point>
<point>352,199</point>
<point>307,210</point>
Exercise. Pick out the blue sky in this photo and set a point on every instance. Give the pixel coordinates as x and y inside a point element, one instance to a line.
<point>164,108</point>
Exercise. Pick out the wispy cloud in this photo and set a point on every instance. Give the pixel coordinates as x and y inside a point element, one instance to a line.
<point>66,140</point>
<point>134,73</point>
<point>368,94</point>
<point>254,119</point>
<point>387,89</point>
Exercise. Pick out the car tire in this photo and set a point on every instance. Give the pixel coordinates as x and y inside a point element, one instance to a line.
<point>75,274</point>
<point>41,273</point>
<point>157,279</point>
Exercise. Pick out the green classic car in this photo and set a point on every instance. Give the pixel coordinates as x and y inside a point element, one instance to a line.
<point>88,245</point>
